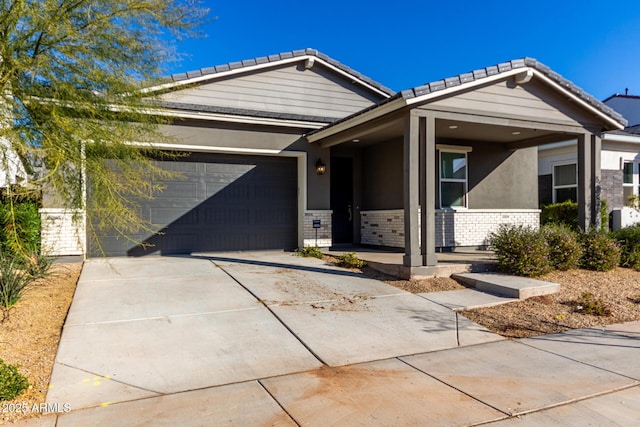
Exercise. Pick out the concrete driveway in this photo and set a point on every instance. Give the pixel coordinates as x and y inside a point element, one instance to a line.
<point>274,339</point>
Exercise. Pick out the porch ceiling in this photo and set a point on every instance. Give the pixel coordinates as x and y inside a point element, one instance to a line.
<point>512,137</point>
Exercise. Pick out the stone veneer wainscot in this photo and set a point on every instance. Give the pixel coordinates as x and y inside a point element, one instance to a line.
<point>454,228</point>
<point>324,232</point>
<point>63,231</point>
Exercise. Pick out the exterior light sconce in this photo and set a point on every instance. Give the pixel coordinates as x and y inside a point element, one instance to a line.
<point>321,168</point>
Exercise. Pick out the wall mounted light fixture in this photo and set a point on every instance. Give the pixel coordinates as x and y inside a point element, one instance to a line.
<point>321,168</point>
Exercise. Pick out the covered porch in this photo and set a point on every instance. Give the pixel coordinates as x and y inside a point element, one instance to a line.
<point>440,166</point>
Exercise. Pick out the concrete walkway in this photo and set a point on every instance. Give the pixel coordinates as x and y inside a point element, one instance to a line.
<point>274,339</point>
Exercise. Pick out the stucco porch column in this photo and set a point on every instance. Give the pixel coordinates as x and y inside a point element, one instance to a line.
<point>419,190</point>
<point>428,190</point>
<point>411,178</point>
<point>589,148</point>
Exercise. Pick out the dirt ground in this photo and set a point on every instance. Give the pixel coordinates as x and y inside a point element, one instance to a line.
<point>618,290</point>
<point>30,336</point>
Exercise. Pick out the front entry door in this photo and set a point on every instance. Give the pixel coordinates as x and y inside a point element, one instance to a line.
<point>342,199</point>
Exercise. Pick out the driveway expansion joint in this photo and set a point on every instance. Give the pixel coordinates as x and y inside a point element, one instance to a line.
<point>309,349</point>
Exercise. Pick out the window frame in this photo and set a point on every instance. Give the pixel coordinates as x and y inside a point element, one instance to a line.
<point>456,149</point>
<point>635,179</point>
<point>555,187</point>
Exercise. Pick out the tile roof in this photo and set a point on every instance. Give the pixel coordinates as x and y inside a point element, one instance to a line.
<point>483,73</point>
<point>277,58</point>
<point>508,66</point>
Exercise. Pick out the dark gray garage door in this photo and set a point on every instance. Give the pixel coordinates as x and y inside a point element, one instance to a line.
<point>222,203</point>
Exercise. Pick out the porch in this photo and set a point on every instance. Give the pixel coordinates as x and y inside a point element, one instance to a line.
<point>464,260</point>
<point>452,160</point>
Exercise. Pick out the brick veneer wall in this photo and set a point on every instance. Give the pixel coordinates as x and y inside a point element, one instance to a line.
<point>382,228</point>
<point>324,232</point>
<point>453,228</point>
<point>61,234</point>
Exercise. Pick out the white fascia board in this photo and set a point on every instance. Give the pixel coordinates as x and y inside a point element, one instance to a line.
<point>351,77</point>
<point>465,86</point>
<point>580,101</point>
<point>359,119</point>
<point>216,149</point>
<point>250,68</point>
<point>218,117</point>
<point>621,138</point>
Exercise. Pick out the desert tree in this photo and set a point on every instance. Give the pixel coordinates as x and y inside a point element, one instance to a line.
<point>71,80</point>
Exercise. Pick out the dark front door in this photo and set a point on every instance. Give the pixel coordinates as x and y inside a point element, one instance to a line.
<point>342,199</point>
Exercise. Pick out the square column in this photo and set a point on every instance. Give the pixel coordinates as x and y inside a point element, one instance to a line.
<point>589,147</point>
<point>428,190</point>
<point>411,176</point>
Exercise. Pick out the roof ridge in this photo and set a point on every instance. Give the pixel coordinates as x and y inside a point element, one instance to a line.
<point>177,77</point>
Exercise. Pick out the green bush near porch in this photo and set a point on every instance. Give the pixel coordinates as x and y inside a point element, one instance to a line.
<point>525,251</point>
<point>565,250</point>
<point>629,240</point>
<point>600,252</point>
<point>521,251</point>
<point>566,213</point>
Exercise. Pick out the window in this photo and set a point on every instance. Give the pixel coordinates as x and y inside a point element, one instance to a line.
<point>453,179</point>
<point>630,181</point>
<point>565,183</point>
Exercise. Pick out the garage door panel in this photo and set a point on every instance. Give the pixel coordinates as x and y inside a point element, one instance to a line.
<point>223,202</point>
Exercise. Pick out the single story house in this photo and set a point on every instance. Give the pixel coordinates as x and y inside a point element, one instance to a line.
<point>284,144</point>
<point>620,161</point>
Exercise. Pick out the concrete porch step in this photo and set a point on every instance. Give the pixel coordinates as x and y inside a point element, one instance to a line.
<point>466,299</point>
<point>508,286</point>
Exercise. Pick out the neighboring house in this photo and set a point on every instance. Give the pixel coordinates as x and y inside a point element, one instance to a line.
<point>12,170</point>
<point>619,164</point>
<point>284,141</point>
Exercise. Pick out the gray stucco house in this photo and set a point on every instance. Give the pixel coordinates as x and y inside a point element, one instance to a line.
<point>279,143</point>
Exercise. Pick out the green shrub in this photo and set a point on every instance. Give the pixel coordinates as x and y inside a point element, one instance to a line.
<point>600,252</point>
<point>565,250</point>
<point>350,260</point>
<point>589,304</point>
<point>604,215</point>
<point>13,280</point>
<point>37,265</point>
<point>629,240</point>
<point>311,251</point>
<point>521,251</point>
<point>565,213</point>
<point>20,226</point>
<point>12,382</point>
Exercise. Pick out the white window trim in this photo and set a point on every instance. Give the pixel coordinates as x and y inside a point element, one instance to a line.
<point>560,187</point>
<point>635,174</point>
<point>459,150</point>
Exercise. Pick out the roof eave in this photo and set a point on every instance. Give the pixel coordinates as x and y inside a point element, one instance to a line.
<point>260,66</point>
<point>408,98</point>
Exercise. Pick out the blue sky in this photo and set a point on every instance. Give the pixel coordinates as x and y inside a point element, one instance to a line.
<point>402,44</point>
